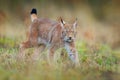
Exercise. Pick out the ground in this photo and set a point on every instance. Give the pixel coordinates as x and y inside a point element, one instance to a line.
<point>97,61</point>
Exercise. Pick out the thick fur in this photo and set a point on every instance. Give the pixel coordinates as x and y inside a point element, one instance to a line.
<point>53,35</point>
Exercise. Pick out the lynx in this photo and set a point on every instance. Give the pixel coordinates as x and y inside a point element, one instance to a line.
<point>53,35</point>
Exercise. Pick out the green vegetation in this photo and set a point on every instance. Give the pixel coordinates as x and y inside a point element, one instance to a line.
<point>7,42</point>
<point>96,62</point>
<point>98,21</point>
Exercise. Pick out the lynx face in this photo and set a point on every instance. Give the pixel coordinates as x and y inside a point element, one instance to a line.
<point>69,31</point>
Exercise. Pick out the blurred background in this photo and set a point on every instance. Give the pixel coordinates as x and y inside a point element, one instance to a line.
<point>98,39</point>
<point>98,20</point>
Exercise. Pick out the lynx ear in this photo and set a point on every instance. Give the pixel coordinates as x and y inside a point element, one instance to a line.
<point>75,24</point>
<point>62,22</point>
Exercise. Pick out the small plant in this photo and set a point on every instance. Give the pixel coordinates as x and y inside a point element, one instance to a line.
<point>95,62</point>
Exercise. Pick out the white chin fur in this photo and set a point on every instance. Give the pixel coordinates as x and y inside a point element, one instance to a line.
<point>69,40</point>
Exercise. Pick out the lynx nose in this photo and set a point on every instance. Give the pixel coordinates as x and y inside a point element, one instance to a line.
<point>70,38</point>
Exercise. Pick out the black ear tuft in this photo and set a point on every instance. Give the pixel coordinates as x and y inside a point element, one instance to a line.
<point>62,21</point>
<point>33,11</point>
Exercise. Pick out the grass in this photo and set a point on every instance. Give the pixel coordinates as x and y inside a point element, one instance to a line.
<point>96,62</point>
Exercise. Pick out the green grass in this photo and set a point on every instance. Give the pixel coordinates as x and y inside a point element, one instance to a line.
<point>7,42</point>
<point>96,62</point>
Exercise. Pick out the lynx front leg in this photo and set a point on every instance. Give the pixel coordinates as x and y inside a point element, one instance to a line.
<point>72,53</point>
<point>51,55</point>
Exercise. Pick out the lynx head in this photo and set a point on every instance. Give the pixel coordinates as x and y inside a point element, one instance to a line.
<point>68,31</point>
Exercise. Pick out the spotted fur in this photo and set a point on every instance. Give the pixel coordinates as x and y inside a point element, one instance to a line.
<point>53,35</point>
